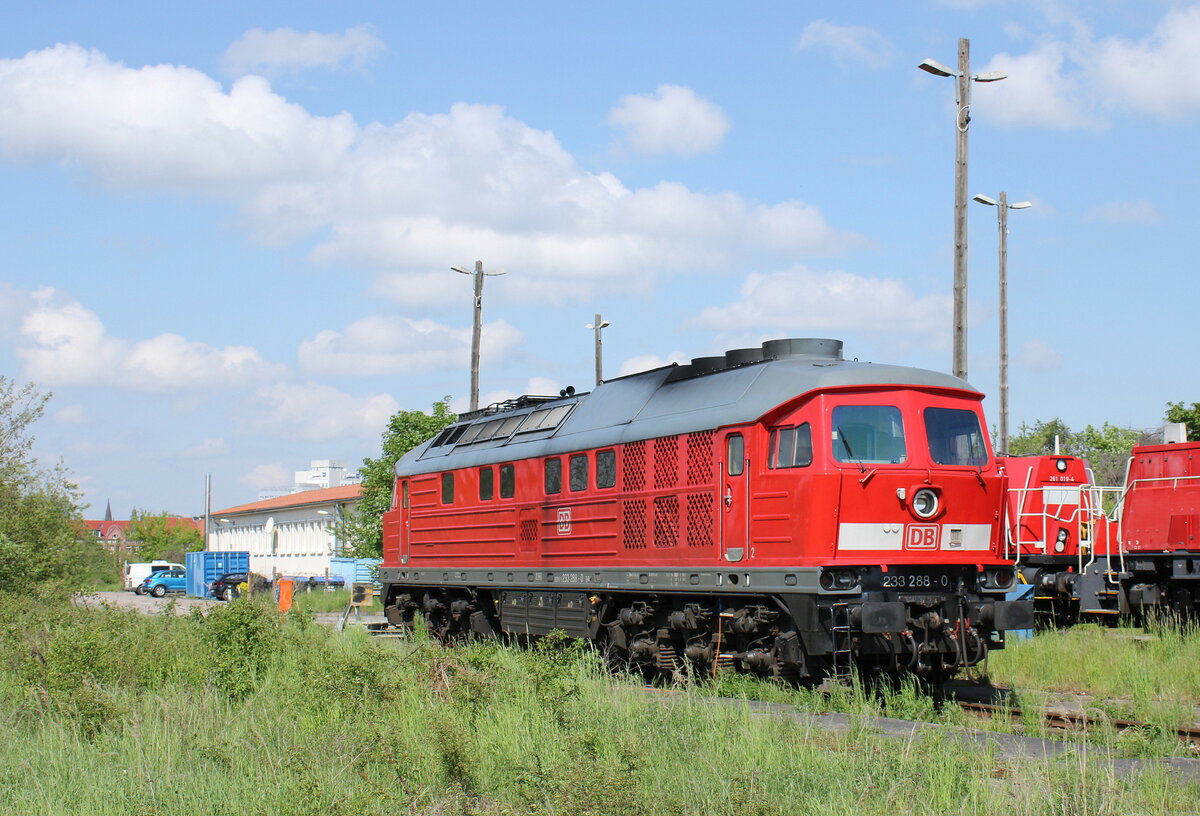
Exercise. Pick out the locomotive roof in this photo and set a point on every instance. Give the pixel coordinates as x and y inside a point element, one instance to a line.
<point>711,392</point>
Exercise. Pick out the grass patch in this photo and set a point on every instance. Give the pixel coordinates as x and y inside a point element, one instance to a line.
<point>243,710</point>
<point>1150,676</point>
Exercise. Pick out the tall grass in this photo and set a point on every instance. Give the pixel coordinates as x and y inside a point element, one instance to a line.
<point>243,710</point>
<point>1152,674</point>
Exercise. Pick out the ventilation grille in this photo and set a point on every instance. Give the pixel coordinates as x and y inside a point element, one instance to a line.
<point>529,530</point>
<point>700,519</point>
<point>666,461</point>
<point>700,457</point>
<point>666,521</point>
<point>635,466</point>
<point>633,513</point>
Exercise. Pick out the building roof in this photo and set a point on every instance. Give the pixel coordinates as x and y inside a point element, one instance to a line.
<point>108,528</point>
<point>119,528</point>
<point>302,499</point>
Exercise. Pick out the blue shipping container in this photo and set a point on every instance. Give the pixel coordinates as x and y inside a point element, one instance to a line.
<point>205,567</point>
<point>355,570</point>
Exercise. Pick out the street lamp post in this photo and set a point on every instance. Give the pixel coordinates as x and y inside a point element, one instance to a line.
<point>477,327</point>
<point>962,120</point>
<point>1002,207</point>
<point>597,327</point>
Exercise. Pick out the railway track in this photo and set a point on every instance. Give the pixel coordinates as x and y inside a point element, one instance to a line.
<point>1063,720</point>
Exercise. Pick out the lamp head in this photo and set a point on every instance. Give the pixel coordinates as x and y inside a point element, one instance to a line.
<point>936,68</point>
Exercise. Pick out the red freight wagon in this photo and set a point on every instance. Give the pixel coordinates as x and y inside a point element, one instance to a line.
<point>780,510</point>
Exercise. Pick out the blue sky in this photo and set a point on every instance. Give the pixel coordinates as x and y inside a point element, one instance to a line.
<point>226,233</point>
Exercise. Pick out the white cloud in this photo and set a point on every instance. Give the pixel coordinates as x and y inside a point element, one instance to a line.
<point>673,120</point>
<point>265,476</point>
<point>319,412</point>
<point>206,448</point>
<point>848,43</point>
<point>71,414</point>
<point>1038,90</point>
<point>646,362</point>
<point>1037,355</point>
<point>285,49</point>
<point>1118,212</point>
<point>400,345</point>
<point>63,343</point>
<point>1081,82</point>
<point>1158,75</point>
<point>399,199</point>
<point>161,126</point>
<point>806,302</point>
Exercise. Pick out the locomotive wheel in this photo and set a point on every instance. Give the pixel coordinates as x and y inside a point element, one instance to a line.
<point>1183,603</point>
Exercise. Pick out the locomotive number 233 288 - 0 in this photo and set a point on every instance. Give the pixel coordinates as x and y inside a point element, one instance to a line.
<point>917,580</point>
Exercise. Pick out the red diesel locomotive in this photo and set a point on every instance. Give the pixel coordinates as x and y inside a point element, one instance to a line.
<point>1061,539</point>
<point>779,510</point>
<point>1158,523</point>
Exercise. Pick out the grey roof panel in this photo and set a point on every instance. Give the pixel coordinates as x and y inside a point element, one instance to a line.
<point>646,406</point>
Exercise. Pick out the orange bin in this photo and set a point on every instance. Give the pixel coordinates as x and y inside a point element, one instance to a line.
<point>286,588</point>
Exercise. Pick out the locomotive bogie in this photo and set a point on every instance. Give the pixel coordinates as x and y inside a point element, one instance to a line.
<point>795,636</point>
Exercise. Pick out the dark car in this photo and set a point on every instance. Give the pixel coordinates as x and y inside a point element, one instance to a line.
<point>229,586</point>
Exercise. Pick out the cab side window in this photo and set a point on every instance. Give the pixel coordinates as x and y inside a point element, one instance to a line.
<point>790,447</point>
<point>487,478</point>
<point>508,481</point>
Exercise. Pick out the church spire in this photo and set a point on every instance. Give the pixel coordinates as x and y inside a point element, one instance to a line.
<point>108,510</point>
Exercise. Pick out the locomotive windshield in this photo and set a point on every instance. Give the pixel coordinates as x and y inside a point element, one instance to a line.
<point>955,437</point>
<point>872,434</point>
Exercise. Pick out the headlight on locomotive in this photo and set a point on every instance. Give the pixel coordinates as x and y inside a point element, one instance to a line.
<point>839,580</point>
<point>1060,540</point>
<point>925,503</point>
<point>998,578</point>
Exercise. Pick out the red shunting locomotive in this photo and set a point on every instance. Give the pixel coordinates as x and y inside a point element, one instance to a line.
<point>779,510</point>
<point>1061,539</point>
<point>1083,564</point>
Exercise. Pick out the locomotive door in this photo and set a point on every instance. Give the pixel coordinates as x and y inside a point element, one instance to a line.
<point>405,538</point>
<point>735,500</point>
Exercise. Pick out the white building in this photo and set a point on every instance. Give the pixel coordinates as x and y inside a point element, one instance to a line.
<point>324,473</point>
<point>320,474</point>
<point>294,534</point>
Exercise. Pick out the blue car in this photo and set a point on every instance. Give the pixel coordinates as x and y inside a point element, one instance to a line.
<point>160,583</point>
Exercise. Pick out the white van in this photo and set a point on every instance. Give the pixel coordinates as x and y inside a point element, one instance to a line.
<point>139,571</point>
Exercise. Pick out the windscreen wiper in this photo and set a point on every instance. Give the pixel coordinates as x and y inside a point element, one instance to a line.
<point>849,452</point>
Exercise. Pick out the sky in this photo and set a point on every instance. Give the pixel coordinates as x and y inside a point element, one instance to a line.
<point>227,229</point>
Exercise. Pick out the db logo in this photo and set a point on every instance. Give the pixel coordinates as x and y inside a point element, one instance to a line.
<point>564,521</point>
<point>921,537</point>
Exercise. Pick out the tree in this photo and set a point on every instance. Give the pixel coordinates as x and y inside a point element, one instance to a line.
<point>1178,412</point>
<point>1038,440</point>
<point>363,528</point>
<point>162,535</point>
<point>40,535</point>
<point>1106,448</point>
